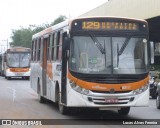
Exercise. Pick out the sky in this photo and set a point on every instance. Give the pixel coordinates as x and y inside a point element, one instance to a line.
<point>16,13</point>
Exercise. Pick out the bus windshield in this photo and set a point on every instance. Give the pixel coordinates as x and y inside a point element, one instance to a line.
<point>108,55</point>
<point>18,60</point>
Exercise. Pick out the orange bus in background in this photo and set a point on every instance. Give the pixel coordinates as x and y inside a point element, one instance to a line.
<point>95,62</point>
<point>16,63</point>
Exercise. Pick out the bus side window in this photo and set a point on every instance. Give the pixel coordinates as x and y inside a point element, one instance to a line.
<point>41,50</point>
<point>52,46</point>
<point>39,47</point>
<point>35,50</point>
<point>57,45</point>
<point>32,54</point>
<point>60,46</point>
<point>56,49</point>
<point>48,48</point>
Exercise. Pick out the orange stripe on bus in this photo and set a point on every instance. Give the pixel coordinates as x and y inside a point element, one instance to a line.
<point>107,87</point>
<point>19,69</point>
<point>49,70</point>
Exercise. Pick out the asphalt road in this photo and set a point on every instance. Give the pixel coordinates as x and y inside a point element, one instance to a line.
<point>19,101</point>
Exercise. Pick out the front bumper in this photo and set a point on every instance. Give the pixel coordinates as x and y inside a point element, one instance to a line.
<point>18,74</point>
<point>100,100</point>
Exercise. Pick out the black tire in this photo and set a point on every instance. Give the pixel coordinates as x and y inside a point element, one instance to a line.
<point>124,111</point>
<point>158,101</point>
<point>62,109</point>
<point>8,78</point>
<point>154,97</point>
<point>41,98</point>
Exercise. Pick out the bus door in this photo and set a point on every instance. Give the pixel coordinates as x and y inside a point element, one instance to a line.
<point>64,70</point>
<point>44,66</point>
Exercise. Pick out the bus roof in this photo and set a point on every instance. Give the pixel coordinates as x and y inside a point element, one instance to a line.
<point>52,28</point>
<point>66,24</point>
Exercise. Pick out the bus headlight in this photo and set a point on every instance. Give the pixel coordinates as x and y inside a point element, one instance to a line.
<point>140,90</point>
<point>8,70</point>
<point>77,88</point>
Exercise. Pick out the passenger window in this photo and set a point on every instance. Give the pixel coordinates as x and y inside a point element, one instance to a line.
<point>48,48</point>
<point>39,49</point>
<point>60,47</point>
<point>32,50</point>
<point>57,45</point>
<point>52,46</point>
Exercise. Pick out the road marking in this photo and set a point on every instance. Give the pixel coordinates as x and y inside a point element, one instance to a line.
<point>13,93</point>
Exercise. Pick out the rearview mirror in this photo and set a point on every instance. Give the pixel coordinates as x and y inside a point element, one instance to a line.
<point>66,43</point>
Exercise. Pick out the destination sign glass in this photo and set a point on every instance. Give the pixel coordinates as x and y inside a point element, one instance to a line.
<point>98,25</point>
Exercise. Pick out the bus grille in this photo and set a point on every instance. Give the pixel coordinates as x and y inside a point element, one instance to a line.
<point>105,101</point>
<point>107,92</point>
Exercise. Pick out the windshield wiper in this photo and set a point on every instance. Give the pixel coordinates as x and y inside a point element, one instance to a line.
<point>124,46</point>
<point>97,43</point>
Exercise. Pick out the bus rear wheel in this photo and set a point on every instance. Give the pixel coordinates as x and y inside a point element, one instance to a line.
<point>124,111</point>
<point>41,98</point>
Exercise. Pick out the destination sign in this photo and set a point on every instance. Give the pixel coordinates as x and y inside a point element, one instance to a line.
<point>18,50</point>
<point>98,25</point>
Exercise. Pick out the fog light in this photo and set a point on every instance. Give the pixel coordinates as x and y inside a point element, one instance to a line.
<point>131,99</point>
<point>90,99</point>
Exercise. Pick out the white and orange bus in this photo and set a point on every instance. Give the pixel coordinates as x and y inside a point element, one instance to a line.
<point>16,63</point>
<point>95,62</point>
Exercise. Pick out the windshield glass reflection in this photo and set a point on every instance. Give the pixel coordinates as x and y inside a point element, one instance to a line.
<point>18,60</point>
<point>108,55</point>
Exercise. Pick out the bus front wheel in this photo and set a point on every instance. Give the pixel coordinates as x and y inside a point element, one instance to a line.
<point>124,111</point>
<point>63,109</point>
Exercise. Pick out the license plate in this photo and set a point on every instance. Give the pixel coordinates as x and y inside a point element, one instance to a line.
<point>19,74</point>
<point>111,100</point>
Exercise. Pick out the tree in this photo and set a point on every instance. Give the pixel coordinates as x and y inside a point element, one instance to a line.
<point>23,36</point>
<point>61,18</point>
